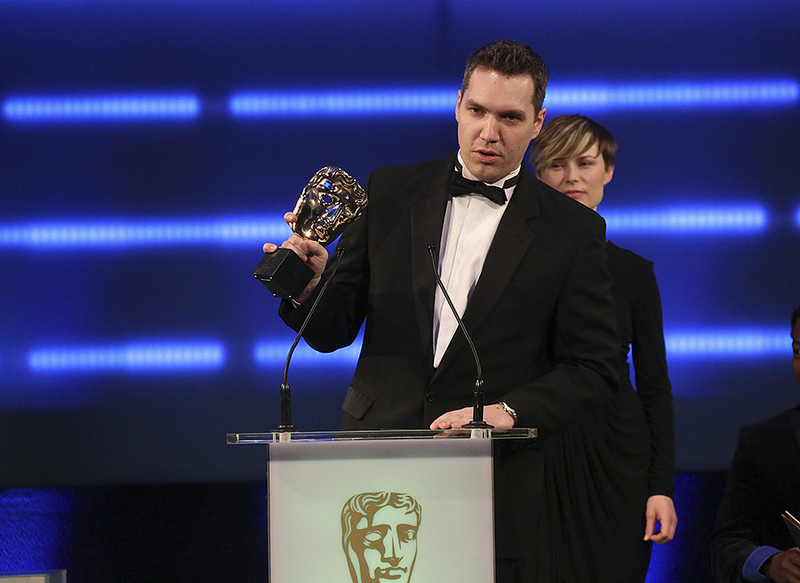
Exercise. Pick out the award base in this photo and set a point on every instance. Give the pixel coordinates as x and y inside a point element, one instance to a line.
<point>283,273</point>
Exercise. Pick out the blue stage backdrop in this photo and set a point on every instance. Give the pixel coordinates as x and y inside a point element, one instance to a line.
<point>149,148</point>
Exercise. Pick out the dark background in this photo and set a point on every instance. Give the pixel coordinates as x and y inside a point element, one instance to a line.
<point>118,426</point>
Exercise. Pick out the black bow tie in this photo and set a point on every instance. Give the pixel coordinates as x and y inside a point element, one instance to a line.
<point>460,186</point>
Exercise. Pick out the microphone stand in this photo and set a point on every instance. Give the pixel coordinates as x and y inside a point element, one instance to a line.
<point>286,425</point>
<point>478,394</point>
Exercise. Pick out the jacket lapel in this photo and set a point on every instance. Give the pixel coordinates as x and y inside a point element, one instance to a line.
<point>510,244</point>
<point>427,218</point>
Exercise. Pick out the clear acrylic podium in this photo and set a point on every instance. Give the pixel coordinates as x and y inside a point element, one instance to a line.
<point>367,506</point>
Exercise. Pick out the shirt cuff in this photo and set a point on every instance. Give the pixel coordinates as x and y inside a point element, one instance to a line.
<point>753,564</point>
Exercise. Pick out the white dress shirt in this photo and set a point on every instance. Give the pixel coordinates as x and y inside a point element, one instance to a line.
<point>470,223</point>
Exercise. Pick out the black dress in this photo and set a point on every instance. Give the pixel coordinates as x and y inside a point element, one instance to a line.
<point>640,325</point>
<point>601,471</point>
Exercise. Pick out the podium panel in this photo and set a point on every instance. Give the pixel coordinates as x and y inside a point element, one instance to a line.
<point>381,510</point>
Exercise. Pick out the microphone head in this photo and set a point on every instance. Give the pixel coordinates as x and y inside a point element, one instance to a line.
<point>432,252</point>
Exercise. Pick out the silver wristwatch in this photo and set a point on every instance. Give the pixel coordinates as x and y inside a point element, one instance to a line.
<point>509,410</point>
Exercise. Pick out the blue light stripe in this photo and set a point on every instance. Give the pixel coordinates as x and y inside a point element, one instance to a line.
<point>393,101</point>
<point>162,356</point>
<point>168,233</point>
<point>724,94</point>
<point>675,95</point>
<point>342,103</point>
<point>709,345</point>
<point>111,107</point>
<point>167,357</point>
<point>691,219</point>
<point>274,353</point>
<point>745,343</point>
<point>120,233</point>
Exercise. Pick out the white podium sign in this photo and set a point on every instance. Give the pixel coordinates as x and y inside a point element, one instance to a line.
<point>380,511</point>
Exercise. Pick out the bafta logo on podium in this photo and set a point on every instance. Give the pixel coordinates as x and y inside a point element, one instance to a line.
<point>379,536</point>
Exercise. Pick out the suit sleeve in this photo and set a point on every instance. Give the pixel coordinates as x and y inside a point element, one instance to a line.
<point>585,346</point>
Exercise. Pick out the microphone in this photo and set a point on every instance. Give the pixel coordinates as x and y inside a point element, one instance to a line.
<point>286,392</point>
<point>478,395</point>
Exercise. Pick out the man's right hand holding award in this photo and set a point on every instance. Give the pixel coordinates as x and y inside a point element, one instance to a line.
<point>313,254</point>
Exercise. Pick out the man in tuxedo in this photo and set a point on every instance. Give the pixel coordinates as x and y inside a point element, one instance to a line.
<point>526,269</point>
<point>763,483</point>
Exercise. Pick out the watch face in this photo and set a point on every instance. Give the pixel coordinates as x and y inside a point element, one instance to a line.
<point>508,410</point>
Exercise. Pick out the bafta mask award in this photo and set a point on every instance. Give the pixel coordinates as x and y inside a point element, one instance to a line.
<point>331,200</point>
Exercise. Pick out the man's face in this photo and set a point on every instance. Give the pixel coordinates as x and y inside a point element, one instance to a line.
<point>387,547</point>
<point>796,350</point>
<point>582,177</point>
<point>496,123</point>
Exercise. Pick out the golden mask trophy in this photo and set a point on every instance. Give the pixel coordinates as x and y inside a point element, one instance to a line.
<point>331,200</point>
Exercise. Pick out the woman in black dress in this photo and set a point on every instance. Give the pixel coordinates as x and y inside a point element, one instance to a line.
<point>576,156</point>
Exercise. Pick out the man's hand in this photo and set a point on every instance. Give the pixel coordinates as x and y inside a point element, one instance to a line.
<point>660,509</point>
<point>314,255</point>
<point>785,567</point>
<point>492,414</point>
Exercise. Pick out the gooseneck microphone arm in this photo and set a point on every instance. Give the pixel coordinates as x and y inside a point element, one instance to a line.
<point>286,392</point>
<point>478,395</point>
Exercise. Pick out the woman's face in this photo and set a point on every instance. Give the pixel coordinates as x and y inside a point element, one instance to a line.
<point>580,177</point>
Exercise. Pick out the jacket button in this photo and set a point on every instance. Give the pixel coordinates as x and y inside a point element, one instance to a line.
<point>430,396</point>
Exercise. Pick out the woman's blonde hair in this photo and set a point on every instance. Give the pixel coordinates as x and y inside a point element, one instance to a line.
<point>566,136</point>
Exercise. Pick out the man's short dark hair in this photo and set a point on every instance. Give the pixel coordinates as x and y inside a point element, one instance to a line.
<point>511,58</point>
<point>795,316</point>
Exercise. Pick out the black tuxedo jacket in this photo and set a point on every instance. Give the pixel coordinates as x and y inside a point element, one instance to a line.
<point>763,482</point>
<point>541,315</point>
